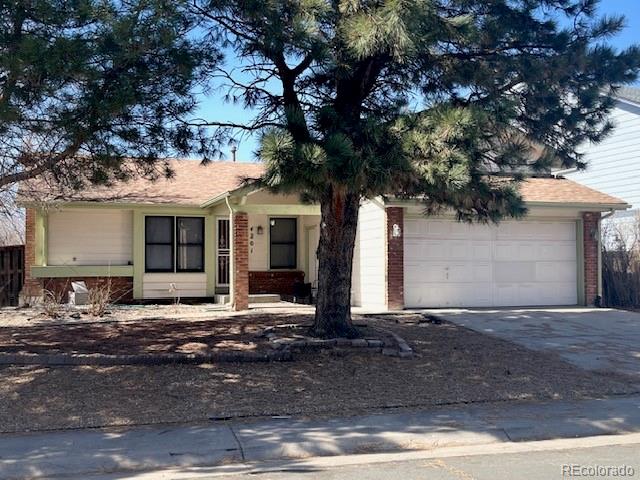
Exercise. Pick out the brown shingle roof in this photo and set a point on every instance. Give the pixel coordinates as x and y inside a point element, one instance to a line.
<point>194,184</point>
<point>563,191</point>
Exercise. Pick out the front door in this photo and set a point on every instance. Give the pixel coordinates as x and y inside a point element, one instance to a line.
<point>223,261</point>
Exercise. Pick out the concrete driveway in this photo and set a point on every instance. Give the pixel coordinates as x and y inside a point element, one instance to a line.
<point>592,338</point>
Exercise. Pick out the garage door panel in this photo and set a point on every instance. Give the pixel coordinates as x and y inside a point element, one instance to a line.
<point>482,272</point>
<point>449,264</point>
<point>556,271</point>
<point>458,250</point>
<point>514,272</point>
<point>556,251</point>
<point>426,272</point>
<point>481,250</point>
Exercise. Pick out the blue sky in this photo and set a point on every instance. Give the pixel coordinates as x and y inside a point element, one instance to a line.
<point>214,108</point>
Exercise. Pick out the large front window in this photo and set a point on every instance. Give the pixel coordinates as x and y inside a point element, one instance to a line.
<point>174,244</point>
<point>283,242</point>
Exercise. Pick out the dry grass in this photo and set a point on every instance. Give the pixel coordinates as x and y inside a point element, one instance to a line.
<point>453,365</point>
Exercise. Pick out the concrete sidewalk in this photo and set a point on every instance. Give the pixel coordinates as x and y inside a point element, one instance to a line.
<point>77,453</point>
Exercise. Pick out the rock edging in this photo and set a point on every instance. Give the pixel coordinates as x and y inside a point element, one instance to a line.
<point>61,359</point>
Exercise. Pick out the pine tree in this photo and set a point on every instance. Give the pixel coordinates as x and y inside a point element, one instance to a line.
<point>92,90</point>
<point>422,99</point>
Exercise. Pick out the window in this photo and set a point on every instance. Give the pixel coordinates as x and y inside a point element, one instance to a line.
<point>283,242</point>
<point>190,241</point>
<point>158,235</point>
<point>174,244</point>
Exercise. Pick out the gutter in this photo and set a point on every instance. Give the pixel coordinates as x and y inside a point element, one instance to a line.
<point>566,171</point>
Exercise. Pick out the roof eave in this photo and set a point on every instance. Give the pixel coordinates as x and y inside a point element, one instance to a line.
<point>240,191</point>
<point>590,206</point>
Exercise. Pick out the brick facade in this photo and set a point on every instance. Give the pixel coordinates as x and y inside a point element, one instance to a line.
<point>280,282</point>
<point>121,287</point>
<point>395,258</point>
<point>591,232</point>
<point>240,261</point>
<point>32,286</point>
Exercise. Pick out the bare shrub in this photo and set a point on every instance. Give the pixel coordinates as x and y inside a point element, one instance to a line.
<point>52,303</point>
<point>99,298</point>
<point>621,263</point>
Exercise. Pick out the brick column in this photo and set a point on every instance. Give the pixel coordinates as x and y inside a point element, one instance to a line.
<point>32,286</point>
<point>395,258</point>
<point>240,261</point>
<point>591,244</point>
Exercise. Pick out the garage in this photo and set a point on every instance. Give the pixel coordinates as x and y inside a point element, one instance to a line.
<point>518,263</point>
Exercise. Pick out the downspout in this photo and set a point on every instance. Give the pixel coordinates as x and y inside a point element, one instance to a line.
<point>231,253</point>
<point>602,217</point>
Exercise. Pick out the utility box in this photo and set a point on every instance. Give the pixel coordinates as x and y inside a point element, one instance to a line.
<point>79,295</point>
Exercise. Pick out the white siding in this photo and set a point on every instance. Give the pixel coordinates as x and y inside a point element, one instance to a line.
<point>258,244</point>
<point>368,289</point>
<point>90,237</point>
<point>614,164</point>
<point>158,285</point>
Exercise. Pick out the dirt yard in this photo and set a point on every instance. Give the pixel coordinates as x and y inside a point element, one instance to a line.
<point>453,365</point>
<point>238,333</point>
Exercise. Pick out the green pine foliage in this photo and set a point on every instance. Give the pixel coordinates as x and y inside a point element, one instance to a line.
<point>450,101</point>
<point>86,84</point>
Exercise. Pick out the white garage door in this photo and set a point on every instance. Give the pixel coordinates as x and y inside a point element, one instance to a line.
<point>451,264</point>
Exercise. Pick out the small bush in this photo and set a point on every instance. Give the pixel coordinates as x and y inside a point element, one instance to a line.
<point>99,298</point>
<point>52,303</point>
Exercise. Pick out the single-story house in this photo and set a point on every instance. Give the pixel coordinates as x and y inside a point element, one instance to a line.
<point>202,234</point>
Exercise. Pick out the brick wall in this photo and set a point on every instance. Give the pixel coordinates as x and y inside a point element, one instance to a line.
<point>240,261</point>
<point>121,287</point>
<point>280,282</point>
<point>395,259</point>
<point>590,234</point>
<point>32,286</point>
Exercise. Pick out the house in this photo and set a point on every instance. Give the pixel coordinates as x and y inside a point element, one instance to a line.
<point>613,165</point>
<point>203,234</point>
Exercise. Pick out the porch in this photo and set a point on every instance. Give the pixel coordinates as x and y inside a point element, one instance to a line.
<point>265,248</point>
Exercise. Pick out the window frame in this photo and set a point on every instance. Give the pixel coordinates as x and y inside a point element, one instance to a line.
<point>294,243</point>
<point>174,245</point>
<point>178,244</point>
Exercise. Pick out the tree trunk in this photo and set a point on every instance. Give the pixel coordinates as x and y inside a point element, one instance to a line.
<point>335,256</point>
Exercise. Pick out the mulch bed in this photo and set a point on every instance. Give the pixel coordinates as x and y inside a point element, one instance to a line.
<point>451,366</point>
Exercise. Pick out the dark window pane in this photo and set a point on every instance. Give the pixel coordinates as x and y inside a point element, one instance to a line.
<point>283,230</point>
<point>190,230</point>
<point>159,257</point>
<point>283,256</point>
<point>190,258</point>
<point>223,234</point>
<point>159,229</point>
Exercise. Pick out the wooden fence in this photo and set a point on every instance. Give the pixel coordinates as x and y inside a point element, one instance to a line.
<point>11,274</point>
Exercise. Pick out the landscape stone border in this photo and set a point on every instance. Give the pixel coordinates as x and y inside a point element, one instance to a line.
<point>400,349</point>
<point>59,359</point>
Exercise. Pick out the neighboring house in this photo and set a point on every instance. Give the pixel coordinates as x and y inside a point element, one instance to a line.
<point>205,234</point>
<point>613,165</point>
